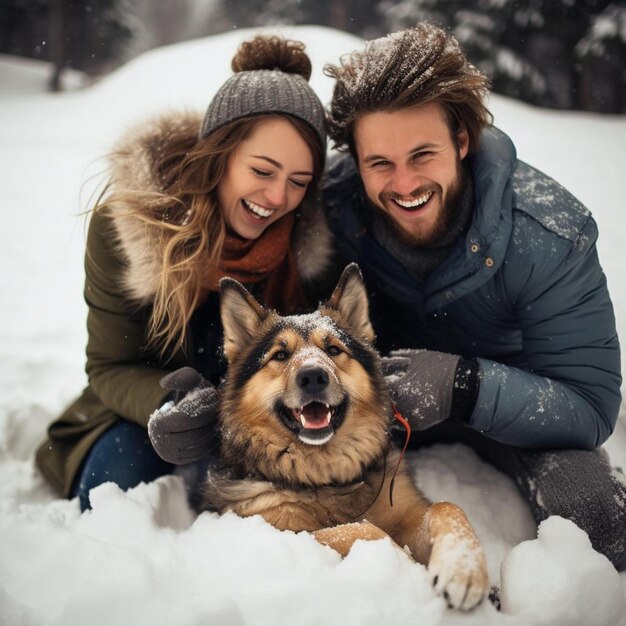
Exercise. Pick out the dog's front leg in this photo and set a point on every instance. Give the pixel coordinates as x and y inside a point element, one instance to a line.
<point>341,538</point>
<point>456,563</point>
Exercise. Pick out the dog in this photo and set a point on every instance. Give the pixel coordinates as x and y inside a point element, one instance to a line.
<point>305,439</point>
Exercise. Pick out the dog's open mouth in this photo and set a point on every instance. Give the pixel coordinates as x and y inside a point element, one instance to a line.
<point>315,423</point>
<point>314,415</point>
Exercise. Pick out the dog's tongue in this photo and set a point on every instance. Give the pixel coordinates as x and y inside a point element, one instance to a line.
<point>315,415</point>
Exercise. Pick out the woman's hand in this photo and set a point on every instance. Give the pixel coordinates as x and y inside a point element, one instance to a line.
<point>184,429</point>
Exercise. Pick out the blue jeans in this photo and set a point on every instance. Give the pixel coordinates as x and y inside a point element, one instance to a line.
<point>123,455</point>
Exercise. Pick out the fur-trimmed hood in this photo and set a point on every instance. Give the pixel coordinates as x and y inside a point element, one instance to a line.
<point>133,167</point>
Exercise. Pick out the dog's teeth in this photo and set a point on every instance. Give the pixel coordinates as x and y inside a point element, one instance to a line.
<point>303,421</point>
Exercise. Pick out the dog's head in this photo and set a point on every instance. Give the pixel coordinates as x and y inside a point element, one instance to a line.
<point>304,402</point>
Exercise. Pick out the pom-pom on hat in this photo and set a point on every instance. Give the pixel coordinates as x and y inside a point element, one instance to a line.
<point>271,76</point>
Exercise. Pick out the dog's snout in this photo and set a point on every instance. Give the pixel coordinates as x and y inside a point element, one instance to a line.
<point>312,379</point>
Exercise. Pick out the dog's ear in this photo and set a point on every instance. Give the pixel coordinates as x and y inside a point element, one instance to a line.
<point>350,300</point>
<point>241,315</point>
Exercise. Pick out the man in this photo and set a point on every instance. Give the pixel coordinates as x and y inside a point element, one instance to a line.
<point>486,270</point>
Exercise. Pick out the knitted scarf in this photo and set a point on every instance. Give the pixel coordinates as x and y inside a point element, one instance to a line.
<point>268,258</point>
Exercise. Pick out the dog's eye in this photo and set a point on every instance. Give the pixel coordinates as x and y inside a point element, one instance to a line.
<point>281,355</point>
<point>333,350</point>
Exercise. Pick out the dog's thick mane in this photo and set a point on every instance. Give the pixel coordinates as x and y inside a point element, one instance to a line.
<point>333,504</point>
<point>340,462</point>
<point>240,472</point>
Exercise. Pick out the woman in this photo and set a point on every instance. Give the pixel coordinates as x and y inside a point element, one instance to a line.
<point>190,200</point>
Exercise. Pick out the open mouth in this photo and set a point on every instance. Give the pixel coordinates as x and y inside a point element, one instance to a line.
<point>414,204</point>
<point>257,211</point>
<point>315,423</point>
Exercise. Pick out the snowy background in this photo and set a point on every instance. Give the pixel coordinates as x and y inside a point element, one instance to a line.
<point>143,557</point>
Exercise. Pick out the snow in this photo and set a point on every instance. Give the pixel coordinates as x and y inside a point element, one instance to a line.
<point>559,565</point>
<point>142,557</point>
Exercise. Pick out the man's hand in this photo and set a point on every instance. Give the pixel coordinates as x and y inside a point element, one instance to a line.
<point>184,429</point>
<point>421,383</point>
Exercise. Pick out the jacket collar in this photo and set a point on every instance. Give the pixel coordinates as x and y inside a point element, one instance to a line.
<point>477,256</point>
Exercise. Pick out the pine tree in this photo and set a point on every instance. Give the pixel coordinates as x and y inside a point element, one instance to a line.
<point>601,54</point>
<point>88,35</point>
<point>556,53</point>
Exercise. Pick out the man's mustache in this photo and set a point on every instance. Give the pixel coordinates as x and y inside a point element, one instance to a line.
<point>416,193</point>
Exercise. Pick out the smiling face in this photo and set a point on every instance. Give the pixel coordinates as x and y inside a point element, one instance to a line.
<point>411,168</point>
<point>266,177</point>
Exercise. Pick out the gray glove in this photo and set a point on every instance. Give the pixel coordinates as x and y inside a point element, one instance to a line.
<point>184,429</point>
<point>421,383</point>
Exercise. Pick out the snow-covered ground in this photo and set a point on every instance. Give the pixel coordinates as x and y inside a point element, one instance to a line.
<point>142,557</point>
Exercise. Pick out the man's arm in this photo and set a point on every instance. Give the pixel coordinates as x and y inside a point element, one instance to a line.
<point>570,396</point>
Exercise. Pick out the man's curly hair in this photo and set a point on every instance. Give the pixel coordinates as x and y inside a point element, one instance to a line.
<point>412,67</point>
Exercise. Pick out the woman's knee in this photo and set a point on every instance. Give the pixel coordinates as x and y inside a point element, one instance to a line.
<point>122,455</point>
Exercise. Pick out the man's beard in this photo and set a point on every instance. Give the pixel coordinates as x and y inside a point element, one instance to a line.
<point>451,205</point>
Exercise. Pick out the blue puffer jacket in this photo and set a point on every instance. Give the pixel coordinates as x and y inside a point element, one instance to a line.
<point>523,291</point>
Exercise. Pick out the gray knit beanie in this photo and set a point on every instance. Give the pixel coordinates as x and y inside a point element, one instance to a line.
<point>272,77</point>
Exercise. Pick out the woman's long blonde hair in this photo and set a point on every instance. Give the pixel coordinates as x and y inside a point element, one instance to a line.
<point>189,223</point>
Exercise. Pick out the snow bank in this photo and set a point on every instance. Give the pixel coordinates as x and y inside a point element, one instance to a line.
<point>559,578</point>
<point>141,557</point>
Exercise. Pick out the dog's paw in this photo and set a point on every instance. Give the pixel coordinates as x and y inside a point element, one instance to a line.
<point>458,571</point>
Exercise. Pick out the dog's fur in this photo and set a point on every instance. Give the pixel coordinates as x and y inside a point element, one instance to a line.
<point>304,467</point>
